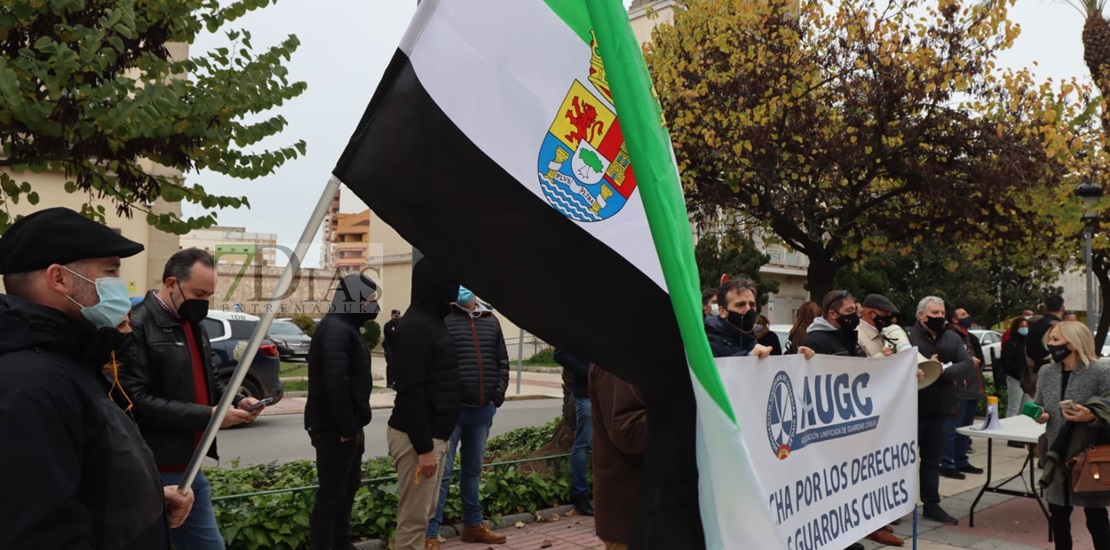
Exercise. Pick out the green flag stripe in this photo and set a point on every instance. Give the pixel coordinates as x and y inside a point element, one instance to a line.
<point>575,15</point>
<point>657,179</point>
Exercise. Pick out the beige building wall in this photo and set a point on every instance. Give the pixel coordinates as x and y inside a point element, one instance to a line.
<point>141,272</point>
<point>644,15</point>
<point>232,238</point>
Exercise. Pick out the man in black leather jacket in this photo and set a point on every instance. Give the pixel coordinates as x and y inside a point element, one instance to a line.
<point>484,376</point>
<point>74,468</point>
<point>339,407</point>
<point>168,373</point>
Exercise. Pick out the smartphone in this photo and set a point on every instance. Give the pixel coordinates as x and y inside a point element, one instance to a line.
<point>1068,404</point>
<point>261,403</point>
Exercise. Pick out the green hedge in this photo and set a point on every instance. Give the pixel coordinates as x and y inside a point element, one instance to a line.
<point>280,521</point>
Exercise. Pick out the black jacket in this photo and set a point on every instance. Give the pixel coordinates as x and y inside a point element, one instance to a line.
<point>339,381</point>
<point>1034,342</point>
<point>483,358</point>
<point>971,386</point>
<point>156,370</point>
<point>579,371</point>
<point>388,330</point>
<point>1013,357</point>
<point>940,399</point>
<point>74,468</point>
<point>726,340</point>
<point>427,373</point>
<point>825,339</point>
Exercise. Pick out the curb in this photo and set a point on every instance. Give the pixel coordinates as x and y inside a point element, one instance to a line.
<point>452,531</point>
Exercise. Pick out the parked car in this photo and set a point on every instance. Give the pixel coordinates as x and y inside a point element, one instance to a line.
<point>291,341</point>
<point>992,344</point>
<point>229,333</point>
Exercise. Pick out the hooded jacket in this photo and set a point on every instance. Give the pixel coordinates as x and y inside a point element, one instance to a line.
<point>426,371</point>
<point>483,358</point>
<point>726,340</point>
<point>825,339</point>
<point>74,468</point>
<point>339,363</point>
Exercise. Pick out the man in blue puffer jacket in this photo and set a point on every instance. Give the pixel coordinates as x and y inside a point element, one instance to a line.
<point>484,377</point>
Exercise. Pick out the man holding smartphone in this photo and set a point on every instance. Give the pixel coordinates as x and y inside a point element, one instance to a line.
<point>339,387</point>
<point>167,371</point>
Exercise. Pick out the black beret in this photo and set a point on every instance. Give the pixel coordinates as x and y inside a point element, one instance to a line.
<point>59,236</point>
<point>880,302</point>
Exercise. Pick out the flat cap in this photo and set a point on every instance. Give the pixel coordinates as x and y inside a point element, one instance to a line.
<point>880,302</point>
<point>59,236</point>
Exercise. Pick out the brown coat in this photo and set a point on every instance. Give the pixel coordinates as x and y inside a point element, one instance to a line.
<point>619,439</point>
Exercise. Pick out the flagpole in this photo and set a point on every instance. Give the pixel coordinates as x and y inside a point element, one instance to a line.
<point>260,331</point>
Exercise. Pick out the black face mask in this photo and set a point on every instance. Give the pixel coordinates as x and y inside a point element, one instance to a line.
<point>193,311</point>
<point>935,324</point>
<point>125,342</point>
<point>882,322</point>
<point>743,321</point>
<point>848,322</point>
<point>1059,353</point>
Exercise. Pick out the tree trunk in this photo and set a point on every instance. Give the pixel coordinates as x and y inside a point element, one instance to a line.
<point>819,277</point>
<point>1096,55</point>
<point>562,439</point>
<point>1100,264</point>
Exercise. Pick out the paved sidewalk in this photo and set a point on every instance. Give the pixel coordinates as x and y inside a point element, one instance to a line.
<point>1001,522</point>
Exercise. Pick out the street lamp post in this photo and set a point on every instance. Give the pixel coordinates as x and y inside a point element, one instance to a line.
<point>1090,193</point>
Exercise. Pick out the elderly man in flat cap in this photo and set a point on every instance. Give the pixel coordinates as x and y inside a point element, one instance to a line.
<point>74,468</point>
<point>878,313</point>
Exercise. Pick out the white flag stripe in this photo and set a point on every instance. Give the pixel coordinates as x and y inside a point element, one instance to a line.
<point>506,104</point>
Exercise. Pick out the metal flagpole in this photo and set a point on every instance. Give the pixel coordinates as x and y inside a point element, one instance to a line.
<point>260,331</point>
<point>519,360</point>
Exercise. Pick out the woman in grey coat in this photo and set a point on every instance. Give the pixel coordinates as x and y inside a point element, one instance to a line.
<point>1073,375</point>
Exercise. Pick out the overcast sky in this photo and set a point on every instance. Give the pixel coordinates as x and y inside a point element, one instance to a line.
<point>346,45</point>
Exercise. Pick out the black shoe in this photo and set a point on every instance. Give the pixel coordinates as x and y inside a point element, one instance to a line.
<point>582,504</point>
<point>952,473</point>
<point>1015,444</point>
<point>935,513</point>
<point>855,546</point>
<point>969,469</point>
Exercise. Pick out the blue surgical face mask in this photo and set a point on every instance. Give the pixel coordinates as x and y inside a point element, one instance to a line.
<point>1024,331</point>
<point>465,296</point>
<point>114,304</point>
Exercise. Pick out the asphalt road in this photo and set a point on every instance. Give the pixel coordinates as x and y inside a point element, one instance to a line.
<point>282,437</point>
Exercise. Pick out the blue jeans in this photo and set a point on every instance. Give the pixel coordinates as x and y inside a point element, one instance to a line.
<point>472,430</point>
<point>199,532</point>
<point>956,446</point>
<point>582,446</point>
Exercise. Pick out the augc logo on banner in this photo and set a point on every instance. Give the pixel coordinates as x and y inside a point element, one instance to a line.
<point>832,406</point>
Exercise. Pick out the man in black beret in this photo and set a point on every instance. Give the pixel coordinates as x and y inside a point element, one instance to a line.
<point>74,468</point>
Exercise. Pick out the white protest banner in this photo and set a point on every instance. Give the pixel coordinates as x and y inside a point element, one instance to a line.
<point>833,441</point>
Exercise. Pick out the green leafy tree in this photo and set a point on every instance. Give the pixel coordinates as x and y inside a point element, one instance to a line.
<point>736,255</point>
<point>992,291</point>
<point>371,333</point>
<point>850,129</point>
<point>305,323</point>
<point>103,92</point>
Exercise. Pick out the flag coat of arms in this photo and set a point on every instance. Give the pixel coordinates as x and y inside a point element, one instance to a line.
<point>518,144</point>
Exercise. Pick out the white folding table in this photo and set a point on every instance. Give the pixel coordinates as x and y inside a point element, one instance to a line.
<point>1024,430</point>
